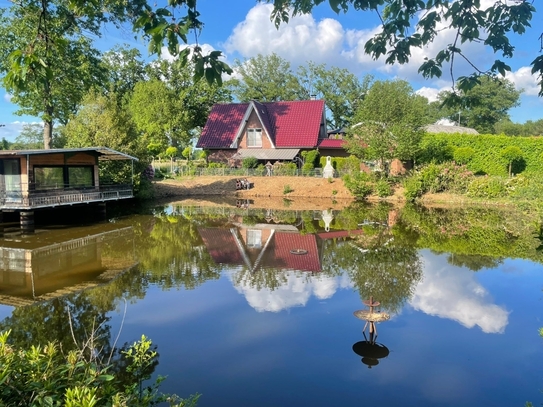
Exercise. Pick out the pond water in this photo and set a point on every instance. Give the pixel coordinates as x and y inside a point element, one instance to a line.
<point>250,306</point>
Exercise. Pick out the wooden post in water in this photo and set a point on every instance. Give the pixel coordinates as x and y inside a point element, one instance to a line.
<point>27,221</point>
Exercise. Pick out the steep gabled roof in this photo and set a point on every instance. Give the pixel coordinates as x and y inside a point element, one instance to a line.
<point>223,123</point>
<point>289,124</point>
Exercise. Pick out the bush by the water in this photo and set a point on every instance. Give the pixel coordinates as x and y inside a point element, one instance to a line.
<point>46,376</point>
<point>360,184</point>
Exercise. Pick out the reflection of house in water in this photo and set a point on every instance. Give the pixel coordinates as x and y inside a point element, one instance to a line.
<point>268,246</point>
<point>53,263</point>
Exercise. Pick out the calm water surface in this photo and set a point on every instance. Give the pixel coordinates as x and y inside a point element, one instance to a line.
<point>255,308</point>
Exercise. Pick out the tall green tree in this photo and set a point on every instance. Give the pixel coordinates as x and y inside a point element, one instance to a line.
<point>482,106</point>
<point>409,25</point>
<point>388,123</point>
<point>124,68</point>
<point>341,89</point>
<point>101,121</point>
<point>60,71</point>
<point>170,107</point>
<point>266,78</point>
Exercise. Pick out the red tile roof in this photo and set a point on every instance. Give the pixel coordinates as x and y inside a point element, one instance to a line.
<point>222,125</point>
<point>221,245</point>
<point>291,124</point>
<point>331,143</point>
<point>283,258</point>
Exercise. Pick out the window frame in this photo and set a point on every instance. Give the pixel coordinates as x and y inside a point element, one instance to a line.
<point>254,132</point>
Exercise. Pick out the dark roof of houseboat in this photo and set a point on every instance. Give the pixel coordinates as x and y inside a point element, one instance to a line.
<point>105,153</point>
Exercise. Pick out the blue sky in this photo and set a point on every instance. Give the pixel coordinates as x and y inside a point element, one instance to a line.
<point>242,29</point>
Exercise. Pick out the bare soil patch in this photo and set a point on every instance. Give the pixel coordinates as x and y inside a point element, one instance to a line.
<point>305,187</point>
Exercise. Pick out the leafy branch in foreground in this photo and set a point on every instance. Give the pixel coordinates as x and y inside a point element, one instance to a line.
<point>45,376</point>
<point>406,25</point>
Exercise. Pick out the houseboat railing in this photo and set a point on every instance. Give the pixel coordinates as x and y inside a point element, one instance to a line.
<point>18,198</point>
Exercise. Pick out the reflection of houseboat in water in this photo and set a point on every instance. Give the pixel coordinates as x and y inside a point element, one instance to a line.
<point>268,245</point>
<point>53,263</point>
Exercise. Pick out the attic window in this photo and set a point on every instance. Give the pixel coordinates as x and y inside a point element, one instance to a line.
<point>254,137</point>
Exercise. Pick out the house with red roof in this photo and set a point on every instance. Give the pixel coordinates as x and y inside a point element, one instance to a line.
<point>270,131</point>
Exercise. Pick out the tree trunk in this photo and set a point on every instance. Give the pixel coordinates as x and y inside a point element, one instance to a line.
<point>510,168</point>
<point>47,135</point>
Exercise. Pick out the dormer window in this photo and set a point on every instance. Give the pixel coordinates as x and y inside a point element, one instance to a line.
<point>254,137</point>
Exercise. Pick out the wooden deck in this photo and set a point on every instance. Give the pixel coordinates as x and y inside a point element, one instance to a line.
<point>15,200</point>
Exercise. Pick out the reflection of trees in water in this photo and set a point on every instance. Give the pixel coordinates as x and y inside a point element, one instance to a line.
<point>487,232</point>
<point>474,262</point>
<point>268,278</point>
<point>172,254</point>
<point>378,266</point>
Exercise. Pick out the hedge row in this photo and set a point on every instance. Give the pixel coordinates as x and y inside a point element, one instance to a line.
<point>487,149</point>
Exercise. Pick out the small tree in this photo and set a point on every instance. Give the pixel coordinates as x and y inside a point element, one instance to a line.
<point>171,152</point>
<point>187,153</point>
<point>512,154</point>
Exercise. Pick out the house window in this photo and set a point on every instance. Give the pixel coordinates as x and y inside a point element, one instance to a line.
<point>81,177</point>
<point>254,239</point>
<point>49,177</point>
<point>254,137</point>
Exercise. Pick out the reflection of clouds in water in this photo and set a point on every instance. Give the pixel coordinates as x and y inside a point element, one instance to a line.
<point>294,292</point>
<point>450,292</point>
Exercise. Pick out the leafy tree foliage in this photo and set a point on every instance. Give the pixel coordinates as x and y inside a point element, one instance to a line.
<point>529,128</point>
<point>124,68</point>
<point>31,137</point>
<point>409,25</point>
<point>342,90</point>
<point>266,78</point>
<point>388,123</point>
<point>49,78</point>
<point>482,106</point>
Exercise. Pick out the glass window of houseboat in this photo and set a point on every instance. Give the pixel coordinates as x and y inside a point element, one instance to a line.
<point>49,177</point>
<point>80,176</point>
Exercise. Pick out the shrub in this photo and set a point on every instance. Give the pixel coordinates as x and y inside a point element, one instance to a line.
<point>216,165</point>
<point>359,184</point>
<point>487,187</point>
<point>311,158</point>
<point>46,376</point>
<point>463,155</point>
<point>249,162</point>
<point>383,189</point>
<point>285,169</point>
<point>287,189</point>
<point>413,188</point>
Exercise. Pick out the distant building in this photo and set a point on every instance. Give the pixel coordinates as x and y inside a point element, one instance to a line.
<point>441,128</point>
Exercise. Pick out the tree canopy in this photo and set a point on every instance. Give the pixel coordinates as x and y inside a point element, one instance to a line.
<point>406,25</point>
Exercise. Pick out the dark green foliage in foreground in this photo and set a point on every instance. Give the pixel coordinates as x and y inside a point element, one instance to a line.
<point>45,376</point>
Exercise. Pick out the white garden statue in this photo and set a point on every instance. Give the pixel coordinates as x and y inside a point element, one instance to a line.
<point>328,171</point>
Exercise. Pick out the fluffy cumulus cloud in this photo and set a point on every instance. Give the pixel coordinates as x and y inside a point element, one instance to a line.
<point>295,291</point>
<point>457,296</point>
<point>8,97</point>
<point>327,41</point>
<point>302,39</point>
<point>524,80</point>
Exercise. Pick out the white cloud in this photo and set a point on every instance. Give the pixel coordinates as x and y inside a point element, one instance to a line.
<point>524,79</point>
<point>299,41</point>
<point>8,97</point>
<point>294,292</point>
<point>10,131</point>
<point>457,296</point>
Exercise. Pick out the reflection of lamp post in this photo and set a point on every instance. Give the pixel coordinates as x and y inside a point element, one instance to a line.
<point>370,350</point>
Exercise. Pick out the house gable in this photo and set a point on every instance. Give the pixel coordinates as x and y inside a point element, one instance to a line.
<point>294,124</point>
<point>256,117</point>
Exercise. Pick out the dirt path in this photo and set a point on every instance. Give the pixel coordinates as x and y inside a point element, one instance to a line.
<point>310,193</point>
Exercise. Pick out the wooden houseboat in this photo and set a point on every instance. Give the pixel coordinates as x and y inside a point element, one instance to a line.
<point>34,179</point>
